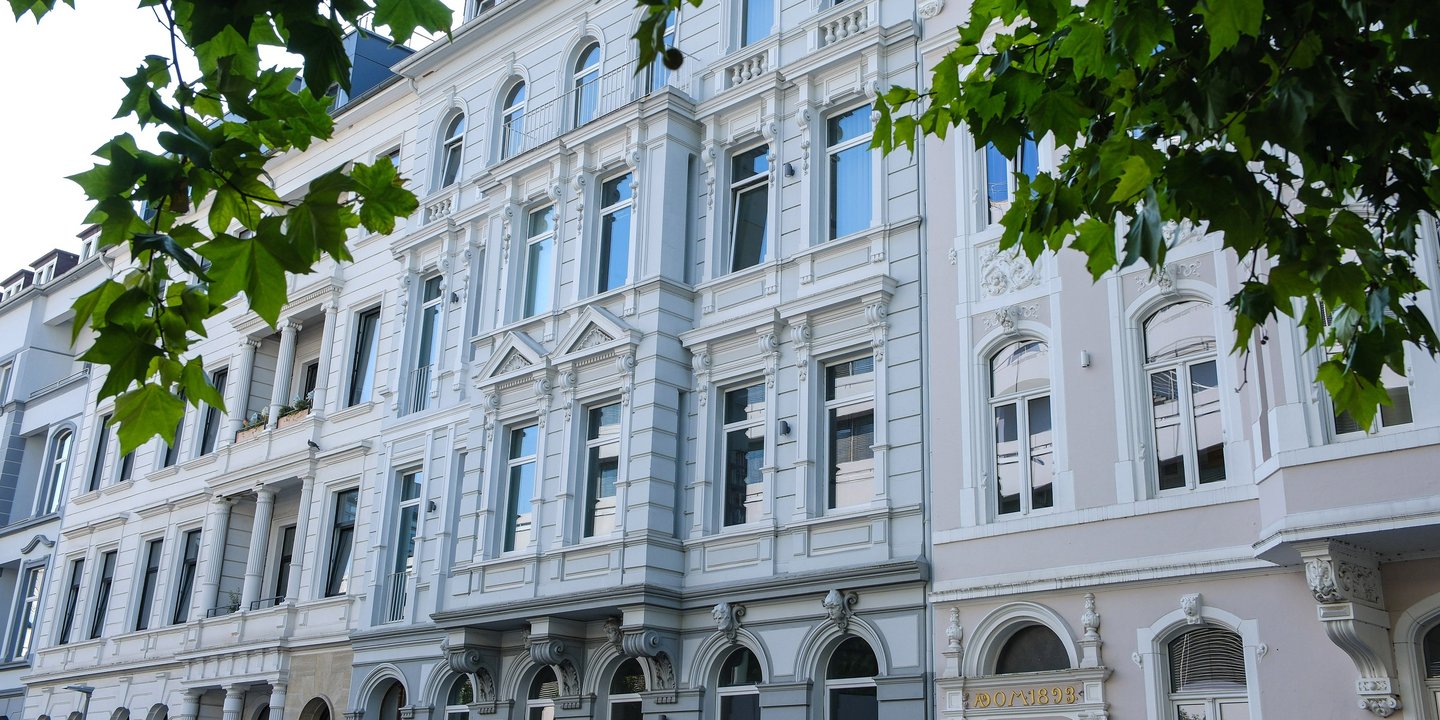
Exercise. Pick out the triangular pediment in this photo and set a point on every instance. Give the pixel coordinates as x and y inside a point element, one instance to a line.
<point>515,354</point>
<point>595,329</point>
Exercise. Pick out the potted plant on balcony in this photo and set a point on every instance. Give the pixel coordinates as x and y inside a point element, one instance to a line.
<point>252,426</point>
<point>297,410</point>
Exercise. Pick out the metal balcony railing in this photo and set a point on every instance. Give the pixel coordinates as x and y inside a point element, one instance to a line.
<point>269,602</point>
<point>393,593</point>
<point>420,388</point>
<point>222,610</point>
<point>542,123</point>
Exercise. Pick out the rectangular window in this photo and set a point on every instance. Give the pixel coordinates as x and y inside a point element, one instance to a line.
<point>127,468</point>
<point>147,584</point>
<point>211,429</point>
<point>1001,173</point>
<point>850,431</point>
<point>750,204</point>
<point>744,454</point>
<point>72,600</point>
<point>1398,412</point>
<point>616,201</point>
<point>310,373</point>
<point>22,638</point>
<point>659,75</point>
<point>282,573</point>
<point>602,468</point>
<point>409,487</point>
<point>172,450</point>
<point>102,595</point>
<point>102,453</point>
<point>520,488</point>
<point>539,261</point>
<point>5,372</point>
<point>847,144</point>
<point>342,541</point>
<point>756,18</point>
<point>185,587</point>
<point>362,364</point>
<point>427,352</point>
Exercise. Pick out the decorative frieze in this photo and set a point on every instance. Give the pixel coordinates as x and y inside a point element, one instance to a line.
<point>1006,271</point>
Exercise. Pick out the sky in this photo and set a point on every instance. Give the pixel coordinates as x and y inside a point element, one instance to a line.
<point>59,94</point>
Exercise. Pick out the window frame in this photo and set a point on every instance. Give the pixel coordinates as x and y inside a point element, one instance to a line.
<point>726,428</point>
<point>427,310</point>
<point>723,691</point>
<point>509,494</point>
<point>51,495</point>
<point>657,75</point>
<point>579,71</point>
<point>829,684</point>
<point>1027,162</point>
<point>613,698</point>
<point>71,608</point>
<point>452,144</point>
<point>512,111</point>
<point>280,578</point>
<point>1212,700</point>
<point>186,573</point>
<point>338,583</point>
<point>1021,399</point>
<point>739,188</point>
<point>25,621</point>
<point>101,456</point>
<point>589,495</point>
<point>832,150</point>
<point>152,553</point>
<point>371,351</point>
<point>604,246</point>
<point>103,592</point>
<point>827,431</point>
<point>534,299</point>
<point>403,477</point>
<point>743,13</point>
<point>1184,387</point>
<point>212,419</point>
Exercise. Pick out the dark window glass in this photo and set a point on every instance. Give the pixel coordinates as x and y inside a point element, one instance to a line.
<point>102,451</point>
<point>362,365</point>
<point>72,600</point>
<point>1033,648</point>
<point>741,668</point>
<point>853,659</point>
<point>342,538</point>
<point>1432,652</point>
<point>148,583</point>
<point>614,233</point>
<point>287,556</point>
<point>211,429</point>
<point>186,589</point>
<point>102,595</point>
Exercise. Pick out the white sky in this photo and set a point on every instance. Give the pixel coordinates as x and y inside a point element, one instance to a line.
<point>59,92</point>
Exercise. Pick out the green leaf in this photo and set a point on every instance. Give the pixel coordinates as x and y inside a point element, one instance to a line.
<point>1135,175</point>
<point>250,267</point>
<point>1097,240</point>
<point>127,352</point>
<point>383,196</point>
<point>1227,20</point>
<point>146,412</point>
<point>404,16</point>
<point>195,385</point>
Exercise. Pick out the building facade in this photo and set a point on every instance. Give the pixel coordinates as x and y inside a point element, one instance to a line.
<point>675,400</point>
<point>1096,452</point>
<point>42,401</point>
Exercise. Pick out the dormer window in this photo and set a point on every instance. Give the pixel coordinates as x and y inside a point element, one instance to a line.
<point>45,273</point>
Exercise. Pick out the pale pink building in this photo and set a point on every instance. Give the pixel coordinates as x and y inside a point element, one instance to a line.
<point>1130,522</point>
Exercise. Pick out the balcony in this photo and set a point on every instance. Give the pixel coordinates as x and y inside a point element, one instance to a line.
<point>393,595</point>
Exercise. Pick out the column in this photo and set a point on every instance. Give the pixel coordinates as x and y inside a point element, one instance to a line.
<point>283,366</point>
<point>189,705</point>
<point>302,536</point>
<point>319,404</point>
<point>242,390</point>
<point>277,701</point>
<point>259,546</point>
<point>218,522</point>
<point>234,703</point>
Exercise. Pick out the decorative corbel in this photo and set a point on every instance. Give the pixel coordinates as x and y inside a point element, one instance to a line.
<point>875,317</point>
<point>709,155</point>
<point>568,384</point>
<point>930,8</point>
<point>1345,582</point>
<point>727,619</point>
<point>804,120</point>
<point>1190,605</point>
<point>656,649</point>
<point>770,353</point>
<point>625,366</point>
<point>543,397</point>
<point>839,608</point>
<point>800,338</point>
<point>490,403</point>
<point>507,217</point>
<point>700,365</point>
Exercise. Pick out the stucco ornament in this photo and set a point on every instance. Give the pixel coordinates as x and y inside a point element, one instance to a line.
<point>954,633</point>
<point>727,619</point>
<point>1381,706</point>
<point>839,608</point>
<point>931,8</point>
<point>462,658</point>
<point>1334,580</point>
<point>612,631</point>
<point>1091,619</point>
<point>1190,605</point>
<point>484,684</point>
<point>1006,271</point>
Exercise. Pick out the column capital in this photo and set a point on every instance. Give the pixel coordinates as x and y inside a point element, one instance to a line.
<point>249,343</point>
<point>291,324</point>
<point>222,501</point>
<point>235,691</point>
<point>264,493</point>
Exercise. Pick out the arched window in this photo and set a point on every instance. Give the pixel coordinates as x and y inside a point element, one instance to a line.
<point>457,703</point>
<point>659,74</point>
<point>1431,670</point>
<point>540,704</point>
<point>1207,675</point>
<point>512,121</point>
<point>739,698</point>
<point>453,148</point>
<point>587,84</point>
<point>625,689</point>
<point>1033,648</point>
<point>59,469</point>
<point>316,709</point>
<point>391,703</point>
<point>850,682</point>
<point>1024,438</point>
<point>1184,382</point>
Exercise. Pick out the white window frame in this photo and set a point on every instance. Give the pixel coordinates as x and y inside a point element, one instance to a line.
<point>26,606</point>
<point>611,700</point>
<point>458,712</point>
<point>145,612</point>
<point>95,475</point>
<point>583,75</point>
<point>408,564</point>
<point>587,445</point>
<point>529,273</point>
<point>423,374</point>
<point>833,149</point>
<point>1153,642</point>
<point>827,431</point>
<point>1181,366</point>
<point>332,517</point>
<point>657,75</point>
<point>57,471</point>
<point>75,580</point>
<point>452,144</point>
<point>98,614</point>
<point>373,353</point>
<point>723,691</point>
<point>509,535</point>
<point>626,177</point>
<point>991,211</point>
<point>204,416</point>
<point>742,15</point>
<point>174,594</point>
<point>725,428</point>
<point>512,142</point>
<point>759,182</point>
<point>1021,399</point>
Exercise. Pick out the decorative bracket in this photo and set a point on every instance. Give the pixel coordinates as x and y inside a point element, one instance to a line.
<point>1345,581</point>
<point>727,619</point>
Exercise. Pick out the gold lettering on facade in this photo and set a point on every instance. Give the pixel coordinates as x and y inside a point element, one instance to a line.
<point>1026,697</point>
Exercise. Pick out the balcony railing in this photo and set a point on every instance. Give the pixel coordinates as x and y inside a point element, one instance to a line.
<point>222,610</point>
<point>542,123</point>
<point>420,388</point>
<point>393,593</point>
<point>269,602</point>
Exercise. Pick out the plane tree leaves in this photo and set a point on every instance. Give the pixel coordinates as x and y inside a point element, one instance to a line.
<point>198,224</point>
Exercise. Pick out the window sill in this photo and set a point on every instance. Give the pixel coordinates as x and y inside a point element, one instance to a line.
<point>353,411</point>
<point>1387,440</point>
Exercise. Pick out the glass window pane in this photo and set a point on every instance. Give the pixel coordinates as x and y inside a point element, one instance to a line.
<point>1020,367</point>
<point>1209,440</point>
<point>1169,445</point>
<point>740,707</point>
<point>749,232</point>
<point>1207,659</point>
<point>1238,710</point>
<point>542,221</point>
<point>1033,648</point>
<point>1008,481</point>
<point>744,481</point>
<point>615,190</point>
<point>857,703</point>
<point>1042,459</point>
<point>758,17</point>
<point>1179,330</point>
<point>1192,711</point>
<point>521,492</point>
<point>997,178</point>
<point>522,441</point>
<point>850,378</point>
<point>538,275</point>
<point>747,403</point>
<point>409,486</point>
<point>432,289</point>
<point>1029,158</point>
<point>853,659</point>
<point>748,164</point>
<point>405,550</point>
<point>848,126</point>
<point>1398,412</point>
<point>741,668</point>
<point>614,249</point>
<point>849,190</point>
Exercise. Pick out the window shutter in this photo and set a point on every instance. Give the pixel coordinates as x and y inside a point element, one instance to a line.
<point>1207,659</point>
